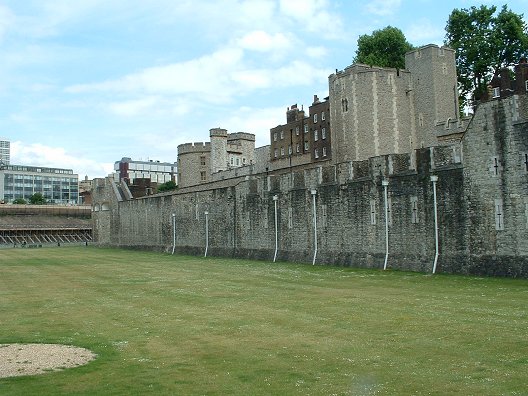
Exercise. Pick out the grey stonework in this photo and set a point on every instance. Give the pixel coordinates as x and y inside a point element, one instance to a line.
<point>241,210</point>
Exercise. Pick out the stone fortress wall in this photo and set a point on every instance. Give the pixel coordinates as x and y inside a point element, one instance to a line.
<point>381,119</point>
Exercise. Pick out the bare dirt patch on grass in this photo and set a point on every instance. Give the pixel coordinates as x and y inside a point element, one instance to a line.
<point>32,359</point>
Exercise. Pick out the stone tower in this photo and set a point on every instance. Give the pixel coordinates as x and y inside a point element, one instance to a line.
<point>219,161</point>
<point>434,90</point>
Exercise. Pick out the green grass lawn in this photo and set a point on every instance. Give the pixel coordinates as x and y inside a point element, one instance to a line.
<point>181,325</point>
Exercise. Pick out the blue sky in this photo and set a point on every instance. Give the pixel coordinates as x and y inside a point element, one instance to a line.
<point>86,82</point>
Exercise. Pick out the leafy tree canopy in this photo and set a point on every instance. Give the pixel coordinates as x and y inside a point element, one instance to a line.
<point>37,199</point>
<point>19,201</point>
<point>485,42</point>
<point>167,186</point>
<point>385,48</point>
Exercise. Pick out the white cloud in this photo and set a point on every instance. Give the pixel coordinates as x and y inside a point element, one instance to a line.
<point>37,154</point>
<point>313,15</point>
<point>259,40</point>
<point>316,52</point>
<point>6,20</point>
<point>382,7</point>
<point>424,31</point>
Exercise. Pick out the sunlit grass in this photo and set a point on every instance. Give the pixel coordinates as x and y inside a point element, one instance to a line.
<point>164,324</point>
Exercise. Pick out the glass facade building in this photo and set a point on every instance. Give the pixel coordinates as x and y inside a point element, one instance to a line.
<point>57,186</point>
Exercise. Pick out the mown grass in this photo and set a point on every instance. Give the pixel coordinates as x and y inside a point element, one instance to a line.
<point>164,324</point>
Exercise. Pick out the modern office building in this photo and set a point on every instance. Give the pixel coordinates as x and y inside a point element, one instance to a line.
<point>156,171</point>
<point>57,186</point>
<point>5,151</point>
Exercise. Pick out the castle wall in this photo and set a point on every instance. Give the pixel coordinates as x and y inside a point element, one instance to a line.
<point>482,206</point>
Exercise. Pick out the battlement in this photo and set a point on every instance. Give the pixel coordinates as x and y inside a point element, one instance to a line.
<point>240,136</point>
<point>196,147</point>
<point>218,132</point>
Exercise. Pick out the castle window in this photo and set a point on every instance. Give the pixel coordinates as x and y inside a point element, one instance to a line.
<point>238,161</point>
<point>306,146</point>
<point>344,104</point>
<point>297,148</point>
<point>525,160</point>
<point>324,210</point>
<point>232,163</point>
<point>496,92</point>
<point>373,211</point>
<point>282,135</point>
<point>289,149</point>
<point>275,153</point>
<point>244,160</point>
<point>316,135</point>
<point>297,130</point>
<point>202,160</point>
<point>495,166</point>
<point>282,150</point>
<point>499,215</point>
<point>316,153</point>
<point>324,151</point>
<point>323,133</point>
<point>323,116</point>
<point>274,136</point>
<point>315,118</point>
<point>414,210</point>
<point>421,119</point>
<point>202,176</point>
<point>526,85</point>
<point>444,68</point>
<point>306,129</point>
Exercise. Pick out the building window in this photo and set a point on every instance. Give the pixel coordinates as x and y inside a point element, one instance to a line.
<point>324,151</point>
<point>525,161</point>
<point>344,104</point>
<point>282,150</point>
<point>275,153</point>
<point>421,119</point>
<point>323,133</point>
<point>238,161</point>
<point>274,136</point>
<point>306,129</point>
<point>373,211</point>
<point>202,160</point>
<point>495,166</point>
<point>324,209</point>
<point>323,116</point>
<point>202,176</point>
<point>315,118</point>
<point>414,210</point>
<point>297,130</point>
<point>526,85</point>
<point>496,92</point>
<point>298,148</point>
<point>316,135</point>
<point>289,149</point>
<point>499,215</point>
<point>306,146</point>
<point>282,135</point>
<point>232,161</point>
<point>316,153</point>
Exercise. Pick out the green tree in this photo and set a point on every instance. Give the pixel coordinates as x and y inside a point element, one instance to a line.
<point>485,42</point>
<point>167,186</point>
<point>385,48</point>
<point>19,201</point>
<point>37,199</point>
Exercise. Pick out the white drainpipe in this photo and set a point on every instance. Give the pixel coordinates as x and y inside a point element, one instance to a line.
<point>434,179</point>
<point>206,232</point>
<point>385,184</point>
<point>275,199</point>
<point>315,225</point>
<point>173,232</point>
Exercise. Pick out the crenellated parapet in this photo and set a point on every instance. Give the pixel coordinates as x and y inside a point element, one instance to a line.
<point>196,147</point>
